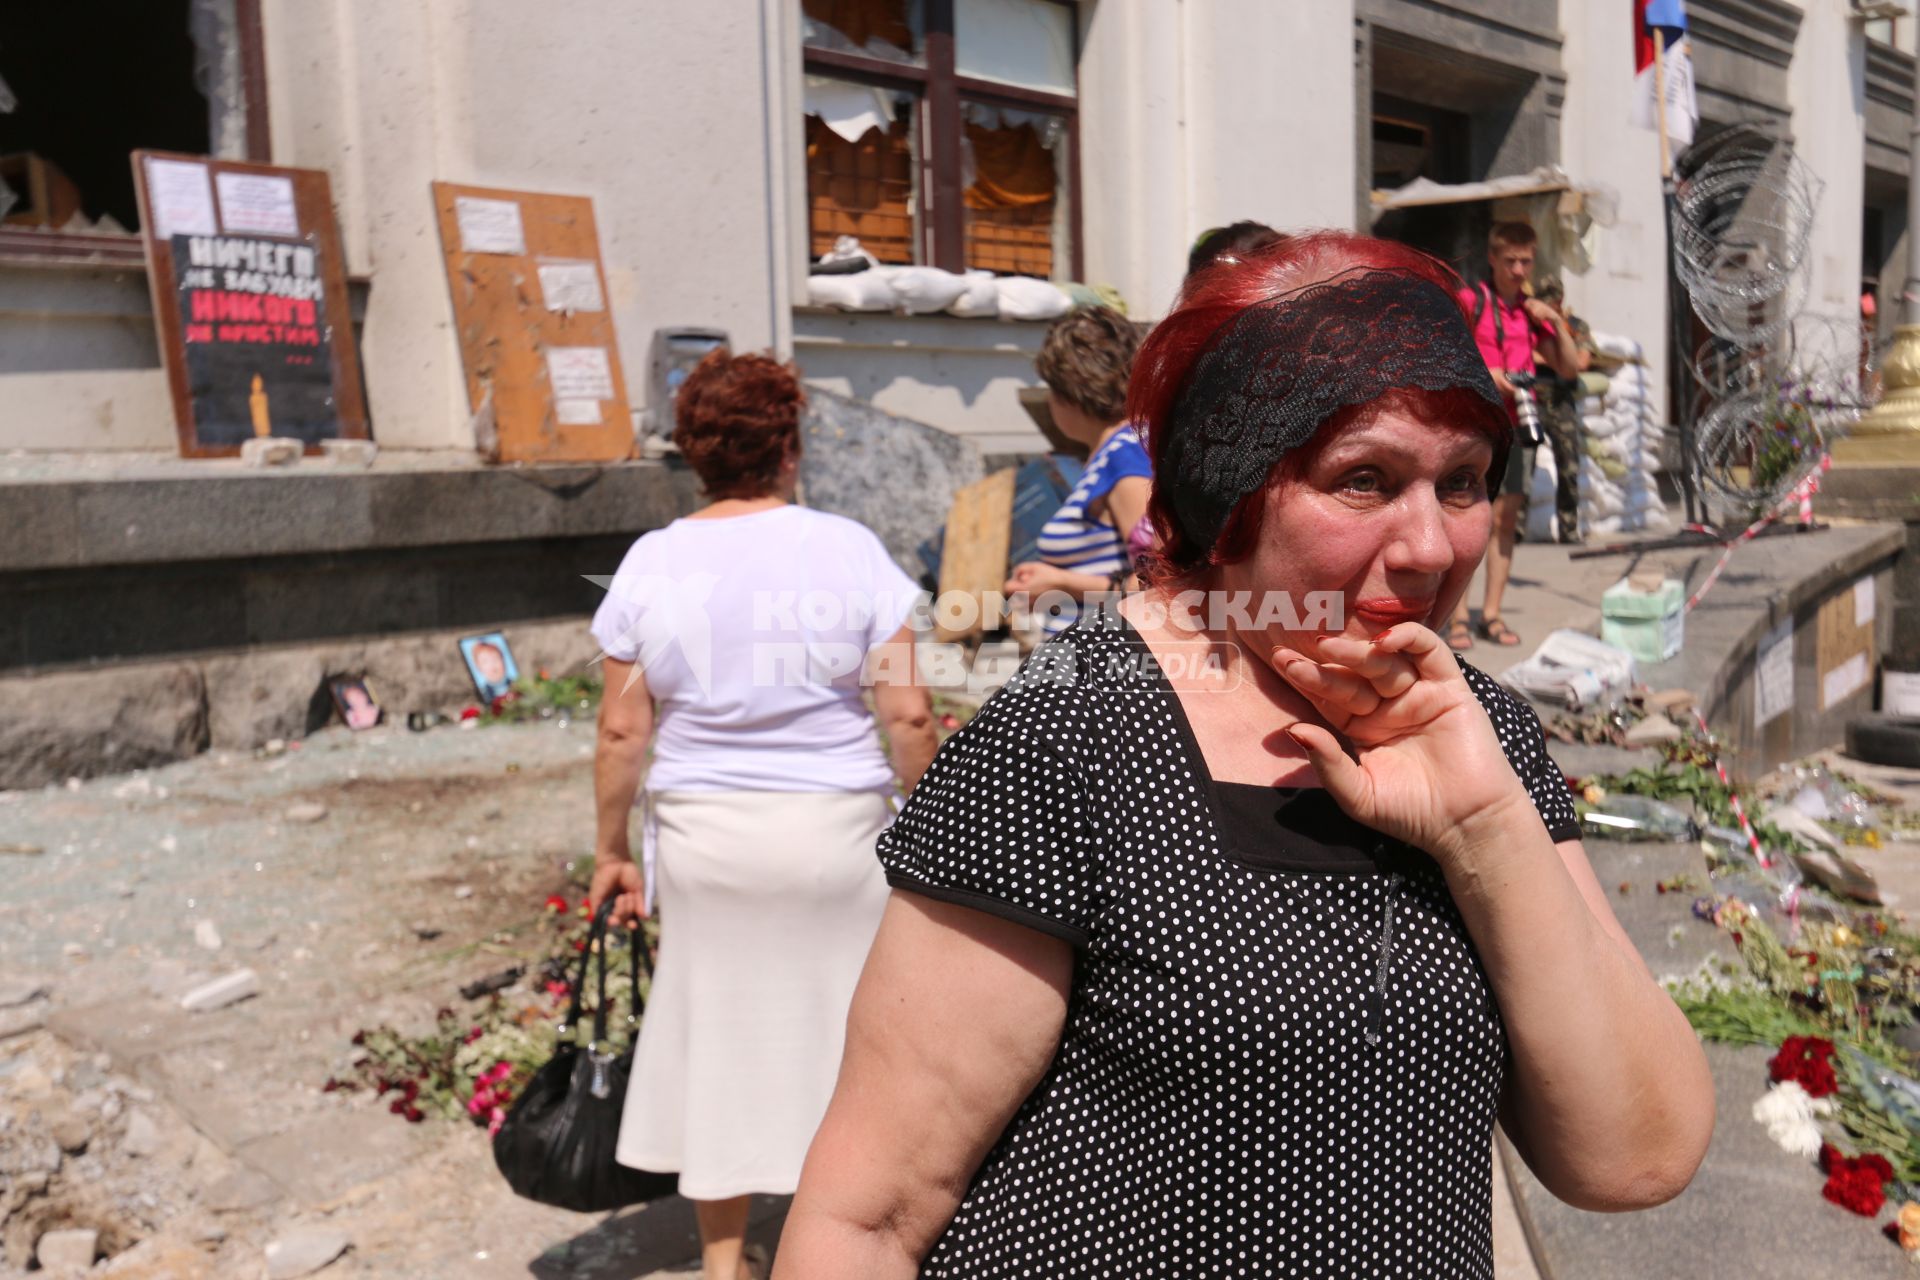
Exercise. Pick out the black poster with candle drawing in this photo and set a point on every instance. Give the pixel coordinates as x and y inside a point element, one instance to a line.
<point>254,325</point>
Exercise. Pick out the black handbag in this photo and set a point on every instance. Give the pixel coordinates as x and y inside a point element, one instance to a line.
<point>557,1143</point>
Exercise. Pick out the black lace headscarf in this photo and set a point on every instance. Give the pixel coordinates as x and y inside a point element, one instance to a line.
<point>1273,374</point>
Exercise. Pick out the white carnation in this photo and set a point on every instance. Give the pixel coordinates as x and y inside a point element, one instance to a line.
<point>1792,1117</point>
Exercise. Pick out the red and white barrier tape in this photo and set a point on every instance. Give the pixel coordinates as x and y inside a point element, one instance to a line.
<point>1801,497</point>
<point>1733,797</point>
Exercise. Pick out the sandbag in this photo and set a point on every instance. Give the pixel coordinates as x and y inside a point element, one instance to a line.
<point>1616,347</point>
<point>1541,525</point>
<point>923,290</point>
<point>979,299</point>
<point>861,291</point>
<point>1024,298</point>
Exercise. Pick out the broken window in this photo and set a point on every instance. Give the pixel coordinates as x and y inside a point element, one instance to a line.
<point>167,75</point>
<point>943,131</point>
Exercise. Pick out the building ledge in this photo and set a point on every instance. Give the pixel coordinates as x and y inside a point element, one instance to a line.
<point>76,511</point>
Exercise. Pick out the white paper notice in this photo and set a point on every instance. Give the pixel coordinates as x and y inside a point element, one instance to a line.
<point>577,413</point>
<point>580,373</point>
<point>1844,680</point>
<point>570,284</point>
<point>1863,602</point>
<point>180,199</point>
<point>259,202</point>
<point>489,226</point>
<point>1773,674</point>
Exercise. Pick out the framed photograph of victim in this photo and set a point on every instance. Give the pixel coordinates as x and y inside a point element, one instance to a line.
<point>490,662</point>
<point>358,708</point>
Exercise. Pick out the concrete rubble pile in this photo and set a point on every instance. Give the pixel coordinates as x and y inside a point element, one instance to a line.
<point>98,1176</point>
<point>90,1170</point>
<point>1619,492</point>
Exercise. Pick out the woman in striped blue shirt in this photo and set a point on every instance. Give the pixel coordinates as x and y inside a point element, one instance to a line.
<point>1085,362</point>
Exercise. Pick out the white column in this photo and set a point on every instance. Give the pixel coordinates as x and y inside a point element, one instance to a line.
<point>1134,173</point>
<point>1625,292</point>
<point>1271,113</point>
<point>1827,90</point>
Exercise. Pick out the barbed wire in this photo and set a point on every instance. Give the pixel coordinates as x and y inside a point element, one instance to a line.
<point>1775,386</point>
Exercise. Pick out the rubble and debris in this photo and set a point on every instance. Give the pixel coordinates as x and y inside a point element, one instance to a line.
<point>70,1130</point>
<point>206,935</point>
<point>142,1136</point>
<point>1652,731</point>
<point>19,991</point>
<point>222,991</point>
<point>306,812</point>
<point>22,1018</point>
<point>493,982</point>
<point>350,453</point>
<point>69,1250</point>
<point>304,1250</point>
<point>270,451</point>
<point>241,1191</point>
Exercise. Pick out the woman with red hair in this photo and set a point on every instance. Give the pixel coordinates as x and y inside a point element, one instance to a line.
<point>1222,935</point>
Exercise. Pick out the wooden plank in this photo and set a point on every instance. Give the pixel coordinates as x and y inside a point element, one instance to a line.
<point>973,558</point>
<point>1843,646</point>
<point>204,429</point>
<point>508,333</point>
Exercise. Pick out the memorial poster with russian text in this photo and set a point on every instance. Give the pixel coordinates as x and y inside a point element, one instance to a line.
<point>256,336</point>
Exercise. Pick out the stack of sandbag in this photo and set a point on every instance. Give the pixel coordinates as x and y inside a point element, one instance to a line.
<point>1541,524</point>
<point>1619,491</point>
<point>924,290</point>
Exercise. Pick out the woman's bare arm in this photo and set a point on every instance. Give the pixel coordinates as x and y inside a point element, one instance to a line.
<point>619,762</point>
<point>956,1019</point>
<point>620,755</point>
<point>1609,1100</point>
<point>903,706</point>
<point>1126,502</point>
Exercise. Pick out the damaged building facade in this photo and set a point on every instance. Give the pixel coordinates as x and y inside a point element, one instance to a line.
<point>725,149</point>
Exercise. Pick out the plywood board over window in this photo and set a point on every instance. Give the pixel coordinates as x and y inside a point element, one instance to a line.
<point>1845,651</point>
<point>250,302</point>
<point>536,336</point>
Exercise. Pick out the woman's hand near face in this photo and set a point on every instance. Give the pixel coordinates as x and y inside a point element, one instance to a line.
<point>1427,766</point>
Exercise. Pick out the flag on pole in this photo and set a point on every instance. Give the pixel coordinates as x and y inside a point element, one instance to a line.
<point>1666,22</point>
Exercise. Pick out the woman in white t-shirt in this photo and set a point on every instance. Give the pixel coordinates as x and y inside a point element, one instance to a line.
<point>739,644</point>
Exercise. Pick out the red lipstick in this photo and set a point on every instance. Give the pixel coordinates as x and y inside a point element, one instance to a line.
<point>1389,610</point>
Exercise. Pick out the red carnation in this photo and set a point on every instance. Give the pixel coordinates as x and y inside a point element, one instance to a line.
<point>1856,1183</point>
<point>556,903</point>
<point>470,713</point>
<point>1808,1062</point>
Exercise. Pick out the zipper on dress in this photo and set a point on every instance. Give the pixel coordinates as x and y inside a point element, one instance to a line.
<point>1377,995</point>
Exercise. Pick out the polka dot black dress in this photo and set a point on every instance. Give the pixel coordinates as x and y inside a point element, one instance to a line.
<point>1281,1057</point>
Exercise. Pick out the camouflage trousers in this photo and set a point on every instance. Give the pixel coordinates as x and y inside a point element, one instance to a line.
<point>1560,422</point>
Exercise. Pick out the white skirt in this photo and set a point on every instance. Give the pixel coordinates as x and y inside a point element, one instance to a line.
<point>768,903</point>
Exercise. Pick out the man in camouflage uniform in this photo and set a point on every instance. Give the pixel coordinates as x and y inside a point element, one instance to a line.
<point>1560,412</point>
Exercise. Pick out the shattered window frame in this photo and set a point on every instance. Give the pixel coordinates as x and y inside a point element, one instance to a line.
<point>231,71</point>
<point>939,161</point>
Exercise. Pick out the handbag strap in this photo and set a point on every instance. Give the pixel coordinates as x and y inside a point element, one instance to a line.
<point>596,932</point>
<point>596,944</point>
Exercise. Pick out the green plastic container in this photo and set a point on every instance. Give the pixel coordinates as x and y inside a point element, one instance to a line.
<point>1649,625</point>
